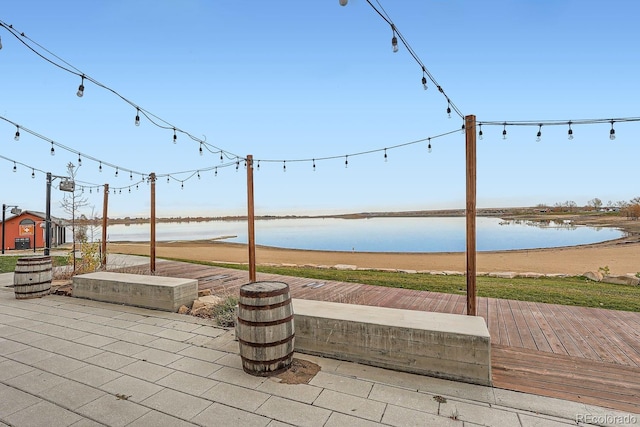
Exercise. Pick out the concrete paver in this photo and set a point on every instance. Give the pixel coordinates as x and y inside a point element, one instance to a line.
<point>66,361</point>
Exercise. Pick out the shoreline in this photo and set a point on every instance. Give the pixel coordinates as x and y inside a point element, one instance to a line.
<point>620,256</point>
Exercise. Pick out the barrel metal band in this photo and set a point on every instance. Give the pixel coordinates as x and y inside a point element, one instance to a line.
<point>264,307</point>
<point>272,323</point>
<point>266,344</point>
<point>263,362</point>
<point>263,294</point>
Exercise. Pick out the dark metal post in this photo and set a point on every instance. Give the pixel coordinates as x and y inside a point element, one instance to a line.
<point>47,238</point>
<point>4,208</point>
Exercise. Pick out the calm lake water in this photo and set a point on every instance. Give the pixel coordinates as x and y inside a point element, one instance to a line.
<point>377,234</point>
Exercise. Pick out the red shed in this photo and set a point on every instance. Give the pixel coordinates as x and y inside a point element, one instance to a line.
<point>27,230</point>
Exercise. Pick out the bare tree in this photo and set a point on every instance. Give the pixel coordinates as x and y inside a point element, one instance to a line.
<point>595,203</point>
<point>71,203</point>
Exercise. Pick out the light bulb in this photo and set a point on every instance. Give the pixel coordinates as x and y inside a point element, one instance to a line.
<point>33,173</point>
<point>81,89</point>
<point>130,176</point>
<point>53,150</point>
<point>198,174</point>
<point>175,137</point>
<point>539,134</point>
<point>429,148</point>
<point>79,160</point>
<point>116,172</point>
<point>612,132</point>
<point>137,122</point>
<point>385,154</point>
<point>284,166</point>
<point>100,167</point>
<point>346,162</point>
<point>480,133</point>
<point>394,44</point>
<point>201,151</point>
<point>504,132</point>
<point>344,2</point>
<point>17,137</point>
<point>570,133</point>
<point>15,168</point>
<point>424,83</point>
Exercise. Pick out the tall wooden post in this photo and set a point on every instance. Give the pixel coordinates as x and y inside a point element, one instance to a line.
<point>470,127</point>
<point>152,250</point>
<point>105,204</point>
<point>251,220</point>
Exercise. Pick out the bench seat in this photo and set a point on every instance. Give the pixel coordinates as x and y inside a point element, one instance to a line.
<point>450,346</point>
<point>155,292</point>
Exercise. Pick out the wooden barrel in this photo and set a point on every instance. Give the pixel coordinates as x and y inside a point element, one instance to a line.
<point>32,277</point>
<point>265,328</point>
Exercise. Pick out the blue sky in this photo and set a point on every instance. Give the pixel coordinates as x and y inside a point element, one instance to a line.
<point>303,80</point>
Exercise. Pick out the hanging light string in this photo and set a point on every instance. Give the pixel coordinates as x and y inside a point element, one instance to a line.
<point>425,72</point>
<point>152,118</point>
<point>81,156</point>
<point>569,123</point>
<point>361,153</point>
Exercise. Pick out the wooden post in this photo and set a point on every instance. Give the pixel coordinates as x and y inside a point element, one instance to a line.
<point>470,127</point>
<point>105,203</point>
<point>251,220</point>
<point>152,250</point>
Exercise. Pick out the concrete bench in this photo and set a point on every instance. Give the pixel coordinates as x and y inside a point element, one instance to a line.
<point>156,292</point>
<point>449,346</point>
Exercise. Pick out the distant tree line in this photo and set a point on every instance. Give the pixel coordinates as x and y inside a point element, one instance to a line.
<point>630,209</point>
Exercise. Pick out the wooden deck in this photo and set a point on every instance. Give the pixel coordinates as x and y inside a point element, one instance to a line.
<point>586,355</point>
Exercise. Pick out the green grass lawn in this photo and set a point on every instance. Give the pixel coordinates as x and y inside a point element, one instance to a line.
<point>8,263</point>
<point>577,291</point>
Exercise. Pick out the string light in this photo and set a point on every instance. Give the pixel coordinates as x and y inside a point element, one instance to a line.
<point>429,146</point>
<point>17,136</point>
<point>570,132</point>
<point>539,134</point>
<point>137,122</point>
<point>480,132</point>
<point>385,155</point>
<point>182,185</point>
<point>284,166</point>
<point>15,168</point>
<point>80,92</point>
<point>216,172</point>
<point>53,150</point>
<point>116,172</point>
<point>175,136</point>
<point>33,173</point>
<point>394,39</point>
<point>612,132</point>
<point>79,160</point>
<point>221,158</point>
<point>167,180</point>
<point>448,108</point>
<point>504,131</point>
<point>129,190</point>
<point>201,151</point>
<point>100,167</point>
<point>130,175</point>
<point>258,164</point>
<point>237,165</point>
<point>346,162</point>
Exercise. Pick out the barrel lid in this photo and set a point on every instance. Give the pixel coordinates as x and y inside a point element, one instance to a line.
<point>259,289</point>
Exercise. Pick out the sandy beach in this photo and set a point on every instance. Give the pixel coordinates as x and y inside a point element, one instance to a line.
<point>621,256</point>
